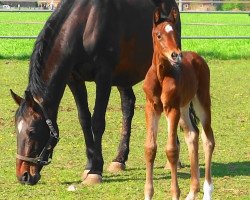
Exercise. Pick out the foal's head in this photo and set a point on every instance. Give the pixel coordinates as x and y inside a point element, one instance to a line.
<point>165,36</point>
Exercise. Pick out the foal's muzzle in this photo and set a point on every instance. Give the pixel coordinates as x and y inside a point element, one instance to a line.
<point>177,57</point>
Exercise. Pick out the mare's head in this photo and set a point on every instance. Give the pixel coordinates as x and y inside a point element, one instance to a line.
<point>35,139</point>
<point>165,36</point>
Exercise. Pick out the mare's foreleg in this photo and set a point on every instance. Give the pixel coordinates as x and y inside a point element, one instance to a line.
<point>127,105</point>
<point>103,88</point>
<point>79,92</point>
<point>152,119</point>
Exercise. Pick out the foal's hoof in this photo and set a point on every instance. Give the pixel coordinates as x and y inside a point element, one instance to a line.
<point>179,166</point>
<point>116,167</point>
<point>92,179</point>
<point>85,174</point>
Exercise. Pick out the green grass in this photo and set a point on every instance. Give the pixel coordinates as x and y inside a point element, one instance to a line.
<point>226,49</point>
<point>230,91</point>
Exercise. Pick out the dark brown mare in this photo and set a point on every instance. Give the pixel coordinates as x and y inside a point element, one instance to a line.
<point>105,41</point>
<point>174,80</point>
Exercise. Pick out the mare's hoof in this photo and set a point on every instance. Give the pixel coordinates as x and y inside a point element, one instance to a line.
<point>116,167</point>
<point>92,179</point>
<point>85,174</point>
<point>179,166</point>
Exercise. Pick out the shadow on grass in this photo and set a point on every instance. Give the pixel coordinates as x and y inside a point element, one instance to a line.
<point>211,55</point>
<point>231,169</point>
<point>15,57</point>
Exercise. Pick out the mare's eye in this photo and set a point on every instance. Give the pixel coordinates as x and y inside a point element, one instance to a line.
<point>158,35</point>
<point>32,134</point>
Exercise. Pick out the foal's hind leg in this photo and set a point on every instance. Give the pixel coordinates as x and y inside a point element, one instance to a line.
<point>79,92</point>
<point>191,138</point>
<point>128,105</point>
<point>203,111</point>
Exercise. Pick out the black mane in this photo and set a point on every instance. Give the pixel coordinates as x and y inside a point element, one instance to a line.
<point>43,45</point>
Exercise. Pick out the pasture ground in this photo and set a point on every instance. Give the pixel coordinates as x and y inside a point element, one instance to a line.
<point>230,91</point>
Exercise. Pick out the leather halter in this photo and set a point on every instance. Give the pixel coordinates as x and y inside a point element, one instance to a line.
<point>47,150</point>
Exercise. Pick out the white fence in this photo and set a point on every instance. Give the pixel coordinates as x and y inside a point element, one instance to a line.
<point>180,2</point>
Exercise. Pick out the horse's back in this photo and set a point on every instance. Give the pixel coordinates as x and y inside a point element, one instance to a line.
<point>197,63</point>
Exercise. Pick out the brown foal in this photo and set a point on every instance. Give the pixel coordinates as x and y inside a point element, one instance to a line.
<point>174,81</point>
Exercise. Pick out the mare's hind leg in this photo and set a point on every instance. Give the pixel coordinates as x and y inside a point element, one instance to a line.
<point>127,105</point>
<point>202,106</point>
<point>79,92</point>
<point>152,120</point>
<point>191,138</point>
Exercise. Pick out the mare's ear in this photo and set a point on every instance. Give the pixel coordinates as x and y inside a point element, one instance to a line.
<point>16,98</point>
<point>156,2</point>
<point>173,15</point>
<point>157,17</point>
<point>30,100</point>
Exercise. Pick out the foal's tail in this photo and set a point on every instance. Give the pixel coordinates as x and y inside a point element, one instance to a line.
<point>193,117</point>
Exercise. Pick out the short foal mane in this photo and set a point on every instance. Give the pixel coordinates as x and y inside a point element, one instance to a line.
<point>43,45</point>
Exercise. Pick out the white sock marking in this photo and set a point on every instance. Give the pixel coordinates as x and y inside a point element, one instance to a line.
<point>208,190</point>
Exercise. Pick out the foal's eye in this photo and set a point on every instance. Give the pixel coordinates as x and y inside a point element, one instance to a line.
<point>158,35</point>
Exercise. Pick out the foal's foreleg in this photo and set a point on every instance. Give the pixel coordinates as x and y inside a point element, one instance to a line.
<point>172,150</point>
<point>127,105</point>
<point>191,138</point>
<point>152,120</point>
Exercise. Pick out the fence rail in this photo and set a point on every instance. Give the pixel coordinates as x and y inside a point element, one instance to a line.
<point>183,37</point>
<point>213,2</point>
<point>187,11</point>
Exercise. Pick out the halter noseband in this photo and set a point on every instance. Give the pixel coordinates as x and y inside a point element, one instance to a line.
<point>51,143</point>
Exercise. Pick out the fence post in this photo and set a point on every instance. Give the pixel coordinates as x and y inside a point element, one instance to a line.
<point>180,6</point>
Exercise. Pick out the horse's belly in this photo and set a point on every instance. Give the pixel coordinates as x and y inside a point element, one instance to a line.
<point>134,62</point>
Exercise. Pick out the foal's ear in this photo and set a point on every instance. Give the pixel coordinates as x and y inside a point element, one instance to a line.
<point>173,15</point>
<point>16,98</point>
<point>157,17</point>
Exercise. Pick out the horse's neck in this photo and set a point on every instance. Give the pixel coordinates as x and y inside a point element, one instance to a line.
<point>163,67</point>
<point>48,92</point>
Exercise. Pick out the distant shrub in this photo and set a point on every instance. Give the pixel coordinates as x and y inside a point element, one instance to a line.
<point>231,6</point>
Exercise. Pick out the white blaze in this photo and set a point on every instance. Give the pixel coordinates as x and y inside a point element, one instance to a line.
<point>168,28</point>
<point>20,126</point>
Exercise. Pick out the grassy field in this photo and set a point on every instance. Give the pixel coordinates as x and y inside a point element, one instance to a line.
<point>230,90</point>
<point>30,24</point>
<point>230,100</point>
